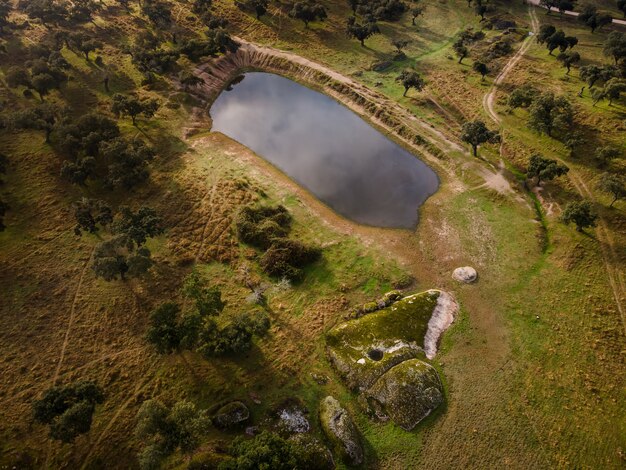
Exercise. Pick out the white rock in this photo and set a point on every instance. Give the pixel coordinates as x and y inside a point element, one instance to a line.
<point>465,274</point>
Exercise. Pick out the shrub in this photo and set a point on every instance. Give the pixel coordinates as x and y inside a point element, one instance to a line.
<point>235,337</point>
<point>164,332</point>
<point>286,258</point>
<point>208,299</point>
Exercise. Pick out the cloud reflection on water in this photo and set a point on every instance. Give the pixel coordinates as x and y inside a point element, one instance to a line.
<point>326,148</point>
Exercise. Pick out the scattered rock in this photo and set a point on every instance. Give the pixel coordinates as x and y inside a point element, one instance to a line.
<point>466,274</point>
<point>292,420</point>
<point>320,379</point>
<point>381,65</point>
<point>407,393</point>
<point>256,399</point>
<point>231,414</point>
<point>341,431</point>
<point>252,430</point>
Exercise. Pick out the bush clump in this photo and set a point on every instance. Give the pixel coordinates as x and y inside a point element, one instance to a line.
<point>269,450</point>
<point>233,338</point>
<point>260,226</point>
<point>267,228</point>
<point>287,258</point>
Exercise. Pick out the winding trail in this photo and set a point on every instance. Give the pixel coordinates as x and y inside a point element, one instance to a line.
<point>603,234</point>
<point>490,98</point>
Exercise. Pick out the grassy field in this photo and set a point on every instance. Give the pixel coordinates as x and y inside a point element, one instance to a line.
<point>534,365</point>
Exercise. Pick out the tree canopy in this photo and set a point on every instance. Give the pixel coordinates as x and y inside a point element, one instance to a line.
<point>614,185</point>
<point>361,31</point>
<point>545,169</point>
<point>615,46</point>
<point>308,11</point>
<point>68,409</point>
<point>411,79</point>
<point>580,213</point>
<point>164,430</point>
<point>590,16</point>
<point>549,113</point>
<point>131,106</point>
<point>476,133</point>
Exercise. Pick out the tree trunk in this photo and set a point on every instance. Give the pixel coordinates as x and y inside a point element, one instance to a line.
<point>615,198</point>
<point>413,21</point>
<point>405,91</point>
<point>362,42</point>
<point>475,149</point>
<point>48,132</point>
<point>134,118</point>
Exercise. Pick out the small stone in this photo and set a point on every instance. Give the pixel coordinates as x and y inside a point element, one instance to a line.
<point>466,274</point>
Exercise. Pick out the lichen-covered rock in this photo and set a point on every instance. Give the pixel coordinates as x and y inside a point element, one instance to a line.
<point>341,431</point>
<point>466,274</point>
<point>406,393</point>
<point>313,454</point>
<point>397,331</point>
<point>231,414</point>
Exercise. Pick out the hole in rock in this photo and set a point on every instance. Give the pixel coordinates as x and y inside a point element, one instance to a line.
<point>375,354</point>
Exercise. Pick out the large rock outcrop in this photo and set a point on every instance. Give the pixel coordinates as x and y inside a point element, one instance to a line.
<point>341,431</point>
<point>383,356</point>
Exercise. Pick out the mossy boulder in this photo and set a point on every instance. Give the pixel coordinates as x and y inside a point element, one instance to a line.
<point>341,431</point>
<point>396,331</point>
<point>313,454</point>
<point>406,393</point>
<point>230,415</point>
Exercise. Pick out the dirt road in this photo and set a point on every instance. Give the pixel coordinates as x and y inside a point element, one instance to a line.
<point>574,13</point>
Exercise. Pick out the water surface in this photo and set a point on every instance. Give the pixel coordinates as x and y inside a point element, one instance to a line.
<point>326,148</point>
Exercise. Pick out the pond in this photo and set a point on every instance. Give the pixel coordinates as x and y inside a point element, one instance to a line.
<point>327,148</point>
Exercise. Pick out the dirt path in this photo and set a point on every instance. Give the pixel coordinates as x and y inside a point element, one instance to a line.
<point>138,390</point>
<point>208,199</point>
<point>66,338</point>
<point>490,98</point>
<point>607,246</point>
